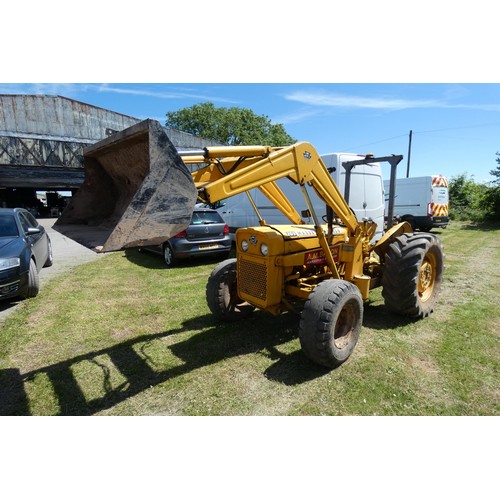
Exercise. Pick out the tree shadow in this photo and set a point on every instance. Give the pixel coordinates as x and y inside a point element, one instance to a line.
<point>481,226</point>
<point>260,333</point>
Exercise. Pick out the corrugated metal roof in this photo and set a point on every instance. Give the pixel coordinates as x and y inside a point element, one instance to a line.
<point>58,116</point>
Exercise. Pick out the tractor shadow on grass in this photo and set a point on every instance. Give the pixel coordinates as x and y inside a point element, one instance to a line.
<point>378,317</point>
<point>210,344</point>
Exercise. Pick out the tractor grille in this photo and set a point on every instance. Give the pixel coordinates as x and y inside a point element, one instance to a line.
<point>252,279</point>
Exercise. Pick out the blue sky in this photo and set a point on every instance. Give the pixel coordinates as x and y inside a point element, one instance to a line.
<point>456,127</point>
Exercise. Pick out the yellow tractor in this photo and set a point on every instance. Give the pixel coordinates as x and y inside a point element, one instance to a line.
<point>324,271</point>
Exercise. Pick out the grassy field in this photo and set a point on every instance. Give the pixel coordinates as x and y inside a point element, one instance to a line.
<point>123,335</point>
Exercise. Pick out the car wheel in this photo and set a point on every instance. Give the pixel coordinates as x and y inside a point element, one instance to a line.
<point>50,258</point>
<point>33,282</point>
<point>169,256</point>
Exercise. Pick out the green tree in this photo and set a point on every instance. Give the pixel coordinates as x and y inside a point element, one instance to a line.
<point>496,171</point>
<point>233,126</point>
<point>493,197</point>
<point>467,199</point>
<point>472,201</point>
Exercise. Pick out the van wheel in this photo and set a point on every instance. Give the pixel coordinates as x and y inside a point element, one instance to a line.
<point>222,293</point>
<point>410,221</point>
<point>33,282</point>
<point>413,273</point>
<point>331,322</point>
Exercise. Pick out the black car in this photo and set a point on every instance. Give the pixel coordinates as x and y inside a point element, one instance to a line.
<point>24,249</point>
<point>207,234</point>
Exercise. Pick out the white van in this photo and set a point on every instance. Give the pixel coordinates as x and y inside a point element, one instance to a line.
<point>422,201</point>
<point>366,197</point>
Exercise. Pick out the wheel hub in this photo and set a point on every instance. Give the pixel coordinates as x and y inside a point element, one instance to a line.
<point>345,326</point>
<point>427,277</point>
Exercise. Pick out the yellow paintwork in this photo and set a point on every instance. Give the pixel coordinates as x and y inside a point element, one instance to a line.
<point>299,256</point>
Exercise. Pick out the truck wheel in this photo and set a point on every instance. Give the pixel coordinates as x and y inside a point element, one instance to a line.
<point>330,322</point>
<point>168,255</point>
<point>410,220</point>
<point>222,293</point>
<point>413,273</point>
<point>33,282</point>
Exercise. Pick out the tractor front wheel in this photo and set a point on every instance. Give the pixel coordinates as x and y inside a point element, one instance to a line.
<point>331,322</point>
<point>222,293</point>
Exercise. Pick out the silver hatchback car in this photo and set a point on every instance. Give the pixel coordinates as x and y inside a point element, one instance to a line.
<point>207,234</point>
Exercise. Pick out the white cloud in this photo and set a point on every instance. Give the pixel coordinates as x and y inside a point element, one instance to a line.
<point>294,117</point>
<point>162,94</point>
<point>382,103</point>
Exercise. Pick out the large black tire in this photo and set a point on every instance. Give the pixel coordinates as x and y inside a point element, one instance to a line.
<point>33,282</point>
<point>413,273</point>
<point>331,322</point>
<point>222,293</point>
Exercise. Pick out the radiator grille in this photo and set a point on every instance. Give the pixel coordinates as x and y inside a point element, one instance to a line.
<point>252,279</point>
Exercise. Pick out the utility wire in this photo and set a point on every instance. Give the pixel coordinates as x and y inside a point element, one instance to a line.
<point>422,132</point>
<point>457,128</point>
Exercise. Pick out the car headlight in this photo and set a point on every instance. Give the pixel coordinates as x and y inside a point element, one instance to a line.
<point>9,263</point>
<point>264,249</point>
<point>244,245</point>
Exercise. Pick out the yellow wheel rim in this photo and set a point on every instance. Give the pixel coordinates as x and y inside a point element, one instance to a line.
<point>427,277</point>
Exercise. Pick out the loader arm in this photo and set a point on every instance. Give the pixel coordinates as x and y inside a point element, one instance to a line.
<point>223,166</point>
<point>234,170</point>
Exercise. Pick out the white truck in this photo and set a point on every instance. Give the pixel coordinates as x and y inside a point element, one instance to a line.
<point>421,201</point>
<point>366,196</point>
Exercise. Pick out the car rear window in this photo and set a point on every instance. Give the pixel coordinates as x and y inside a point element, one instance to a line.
<point>206,218</point>
<point>8,226</point>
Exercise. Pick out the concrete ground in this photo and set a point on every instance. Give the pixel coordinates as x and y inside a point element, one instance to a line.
<point>67,254</point>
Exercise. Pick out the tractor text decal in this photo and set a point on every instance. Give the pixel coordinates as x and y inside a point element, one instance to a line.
<point>318,256</point>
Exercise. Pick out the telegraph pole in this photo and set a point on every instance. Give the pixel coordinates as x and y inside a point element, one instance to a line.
<point>409,154</point>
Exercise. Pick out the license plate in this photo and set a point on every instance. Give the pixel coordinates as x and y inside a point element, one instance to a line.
<point>208,247</point>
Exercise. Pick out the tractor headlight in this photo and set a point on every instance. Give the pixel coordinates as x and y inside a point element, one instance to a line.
<point>244,245</point>
<point>9,263</point>
<point>264,249</point>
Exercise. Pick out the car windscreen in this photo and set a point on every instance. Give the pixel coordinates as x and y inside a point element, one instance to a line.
<point>8,226</point>
<point>206,218</point>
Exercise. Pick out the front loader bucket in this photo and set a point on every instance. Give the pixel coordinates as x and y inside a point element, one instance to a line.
<point>137,192</point>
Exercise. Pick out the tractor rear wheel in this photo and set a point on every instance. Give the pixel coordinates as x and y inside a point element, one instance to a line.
<point>413,273</point>
<point>331,322</point>
<point>222,293</point>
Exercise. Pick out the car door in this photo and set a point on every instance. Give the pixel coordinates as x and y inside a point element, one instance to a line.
<point>38,240</point>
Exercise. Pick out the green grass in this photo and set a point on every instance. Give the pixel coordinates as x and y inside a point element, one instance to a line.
<point>125,336</point>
